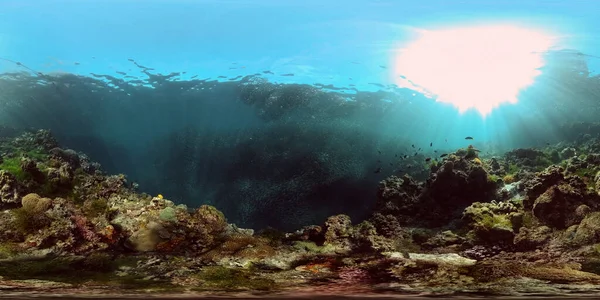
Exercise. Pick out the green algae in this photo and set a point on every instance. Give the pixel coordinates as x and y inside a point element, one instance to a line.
<point>312,247</point>
<point>587,174</point>
<point>168,214</point>
<point>95,207</point>
<point>95,269</point>
<point>12,163</point>
<point>487,271</point>
<point>43,187</point>
<point>493,178</point>
<point>541,163</point>
<point>26,221</point>
<point>8,249</point>
<point>36,268</point>
<point>228,279</point>
<point>35,154</point>
<point>513,169</point>
<point>554,156</point>
<point>13,166</point>
<point>495,221</point>
<point>529,220</point>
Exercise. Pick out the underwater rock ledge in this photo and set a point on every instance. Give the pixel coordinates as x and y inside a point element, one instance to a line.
<point>527,223</point>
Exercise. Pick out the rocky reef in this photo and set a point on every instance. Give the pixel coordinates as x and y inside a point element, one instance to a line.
<point>522,224</point>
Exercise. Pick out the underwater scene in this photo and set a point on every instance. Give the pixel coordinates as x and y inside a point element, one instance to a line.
<point>299,149</point>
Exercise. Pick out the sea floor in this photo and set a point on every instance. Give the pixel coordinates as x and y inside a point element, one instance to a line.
<point>41,289</point>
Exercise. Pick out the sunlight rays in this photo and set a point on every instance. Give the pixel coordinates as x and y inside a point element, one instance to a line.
<point>476,67</point>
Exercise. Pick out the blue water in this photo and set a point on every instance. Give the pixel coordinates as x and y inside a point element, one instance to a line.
<point>315,40</point>
<point>205,37</point>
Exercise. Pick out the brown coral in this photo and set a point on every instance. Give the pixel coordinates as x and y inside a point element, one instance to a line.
<point>243,246</point>
<point>36,204</point>
<point>338,230</point>
<point>10,190</point>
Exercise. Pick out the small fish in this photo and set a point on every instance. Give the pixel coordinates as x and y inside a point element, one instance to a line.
<point>469,138</point>
<point>392,164</point>
<point>287,74</point>
<point>222,77</point>
<point>378,170</point>
<point>268,72</point>
<point>444,155</point>
<point>428,159</point>
<point>383,67</point>
<point>435,151</point>
<point>416,153</point>
<point>413,145</point>
<point>122,73</point>
<point>77,64</point>
<point>405,155</point>
<point>130,59</point>
<point>379,151</point>
<point>431,144</point>
<point>419,149</point>
<point>395,155</point>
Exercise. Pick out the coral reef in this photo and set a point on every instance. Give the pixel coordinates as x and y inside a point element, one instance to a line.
<point>528,221</point>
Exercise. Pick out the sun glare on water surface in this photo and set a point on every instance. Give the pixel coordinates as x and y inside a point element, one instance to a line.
<point>472,67</point>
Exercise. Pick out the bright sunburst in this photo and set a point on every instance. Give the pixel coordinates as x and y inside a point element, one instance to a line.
<point>472,67</point>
